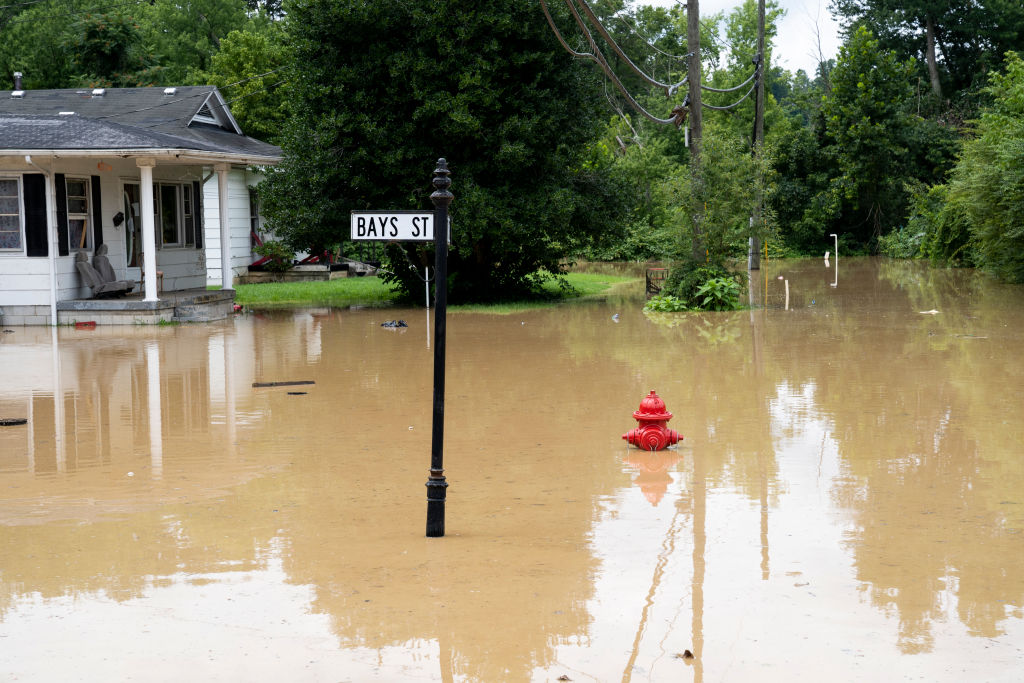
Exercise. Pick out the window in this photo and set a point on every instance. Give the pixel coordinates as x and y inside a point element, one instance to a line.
<point>167,214</point>
<point>10,214</point>
<point>79,234</point>
<point>186,213</point>
<point>175,214</point>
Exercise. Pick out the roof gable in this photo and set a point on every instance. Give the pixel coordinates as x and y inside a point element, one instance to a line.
<point>214,112</point>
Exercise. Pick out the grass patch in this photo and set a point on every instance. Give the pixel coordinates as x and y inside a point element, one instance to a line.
<point>346,291</point>
<point>587,286</point>
<point>371,291</point>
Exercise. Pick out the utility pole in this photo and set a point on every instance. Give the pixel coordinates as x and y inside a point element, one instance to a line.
<point>696,121</point>
<point>695,117</point>
<point>754,248</point>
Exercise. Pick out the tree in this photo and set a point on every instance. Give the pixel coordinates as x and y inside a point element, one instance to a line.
<point>186,35</point>
<point>867,119</point>
<point>382,89</point>
<point>106,51</point>
<point>987,185</point>
<point>250,70</point>
<point>957,40</point>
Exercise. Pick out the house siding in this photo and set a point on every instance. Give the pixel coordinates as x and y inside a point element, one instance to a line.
<point>239,181</point>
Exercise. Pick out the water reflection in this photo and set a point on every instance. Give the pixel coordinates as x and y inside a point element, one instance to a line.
<point>653,467</point>
<point>847,499</point>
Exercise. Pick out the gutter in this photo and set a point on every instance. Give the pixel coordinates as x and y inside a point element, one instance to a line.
<point>51,228</point>
<point>183,155</point>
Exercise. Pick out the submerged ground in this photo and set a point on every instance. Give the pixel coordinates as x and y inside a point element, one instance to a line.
<point>847,504</point>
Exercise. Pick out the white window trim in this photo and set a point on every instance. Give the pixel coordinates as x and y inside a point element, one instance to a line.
<point>181,186</point>
<point>87,216</point>
<point>21,217</point>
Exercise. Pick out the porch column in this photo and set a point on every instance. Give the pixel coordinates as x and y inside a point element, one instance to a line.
<point>225,228</point>
<point>148,228</point>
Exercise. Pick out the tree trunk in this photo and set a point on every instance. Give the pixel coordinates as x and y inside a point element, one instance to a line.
<point>933,68</point>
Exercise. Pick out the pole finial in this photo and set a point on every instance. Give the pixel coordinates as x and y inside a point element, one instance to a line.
<point>441,196</point>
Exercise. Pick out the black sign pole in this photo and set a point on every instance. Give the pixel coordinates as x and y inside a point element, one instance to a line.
<point>436,484</point>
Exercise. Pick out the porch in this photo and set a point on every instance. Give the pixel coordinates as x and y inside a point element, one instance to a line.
<point>188,305</point>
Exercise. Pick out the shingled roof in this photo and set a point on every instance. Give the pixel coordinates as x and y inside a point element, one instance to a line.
<point>129,121</point>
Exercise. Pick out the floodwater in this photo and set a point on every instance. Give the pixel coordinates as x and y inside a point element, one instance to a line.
<point>847,504</point>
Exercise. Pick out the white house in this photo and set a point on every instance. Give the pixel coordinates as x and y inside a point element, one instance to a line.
<point>142,170</point>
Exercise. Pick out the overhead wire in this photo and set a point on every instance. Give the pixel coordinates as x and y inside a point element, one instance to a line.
<point>670,89</point>
<point>647,41</point>
<point>734,104</point>
<point>597,57</point>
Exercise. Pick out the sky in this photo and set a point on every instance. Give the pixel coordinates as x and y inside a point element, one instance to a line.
<point>796,46</point>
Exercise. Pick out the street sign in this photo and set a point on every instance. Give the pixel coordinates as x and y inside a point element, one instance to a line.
<point>398,226</point>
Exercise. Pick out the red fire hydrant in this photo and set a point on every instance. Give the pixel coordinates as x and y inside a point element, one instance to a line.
<point>652,434</point>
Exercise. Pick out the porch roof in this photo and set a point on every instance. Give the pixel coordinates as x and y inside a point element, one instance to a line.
<point>192,124</point>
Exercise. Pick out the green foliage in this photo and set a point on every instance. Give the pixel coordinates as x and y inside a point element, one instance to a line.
<point>186,35</point>
<point>281,256</point>
<point>901,243</point>
<point>642,171</point>
<point>971,36</point>
<point>249,70</point>
<point>866,117</point>
<point>939,227</point>
<point>689,280</point>
<point>665,303</point>
<point>106,50</point>
<point>135,44</point>
<point>719,294</point>
<point>987,185</point>
<point>716,199</point>
<point>381,90</point>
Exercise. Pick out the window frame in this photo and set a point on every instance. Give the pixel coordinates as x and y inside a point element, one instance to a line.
<point>21,215</point>
<point>85,217</point>
<point>184,210</point>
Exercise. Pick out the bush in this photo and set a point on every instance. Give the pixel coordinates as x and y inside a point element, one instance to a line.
<point>665,303</point>
<point>938,227</point>
<point>719,294</point>
<point>687,281</point>
<point>281,257</point>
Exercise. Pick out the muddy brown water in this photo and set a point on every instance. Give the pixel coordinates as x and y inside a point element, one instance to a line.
<point>847,504</point>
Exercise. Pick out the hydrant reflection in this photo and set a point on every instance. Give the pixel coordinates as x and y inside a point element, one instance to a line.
<point>653,478</point>
<point>651,434</point>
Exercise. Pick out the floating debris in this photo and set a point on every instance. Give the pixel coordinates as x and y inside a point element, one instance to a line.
<point>686,654</point>
<point>12,421</point>
<point>931,312</point>
<point>296,393</point>
<point>283,384</point>
<point>394,323</point>
<point>563,677</point>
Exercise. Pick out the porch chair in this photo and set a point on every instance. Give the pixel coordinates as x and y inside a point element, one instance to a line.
<point>94,282</point>
<point>102,265</point>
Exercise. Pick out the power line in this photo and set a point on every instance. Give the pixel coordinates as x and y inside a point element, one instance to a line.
<point>670,89</point>
<point>599,58</point>
<point>647,41</point>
